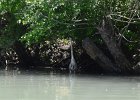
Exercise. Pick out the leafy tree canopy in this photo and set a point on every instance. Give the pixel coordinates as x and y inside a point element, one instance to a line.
<point>33,21</point>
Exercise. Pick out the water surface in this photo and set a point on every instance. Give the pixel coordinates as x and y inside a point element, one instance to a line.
<point>42,86</point>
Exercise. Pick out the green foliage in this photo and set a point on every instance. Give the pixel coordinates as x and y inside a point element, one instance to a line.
<point>11,27</point>
<point>35,21</point>
<point>63,19</point>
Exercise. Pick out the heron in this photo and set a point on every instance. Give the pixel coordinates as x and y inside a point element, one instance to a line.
<point>72,65</point>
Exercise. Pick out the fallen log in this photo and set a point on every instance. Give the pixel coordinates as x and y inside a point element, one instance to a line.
<point>116,52</point>
<point>137,68</point>
<point>95,53</point>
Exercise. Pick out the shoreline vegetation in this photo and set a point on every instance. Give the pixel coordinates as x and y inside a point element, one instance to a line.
<point>34,35</point>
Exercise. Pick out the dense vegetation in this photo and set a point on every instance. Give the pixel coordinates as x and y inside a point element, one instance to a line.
<point>35,33</point>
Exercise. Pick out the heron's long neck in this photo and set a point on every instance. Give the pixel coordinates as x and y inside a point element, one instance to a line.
<point>71,49</point>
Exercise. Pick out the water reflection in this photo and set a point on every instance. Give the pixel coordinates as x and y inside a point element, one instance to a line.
<point>25,86</point>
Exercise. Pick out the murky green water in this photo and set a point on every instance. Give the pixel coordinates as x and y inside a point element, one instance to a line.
<point>38,86</point>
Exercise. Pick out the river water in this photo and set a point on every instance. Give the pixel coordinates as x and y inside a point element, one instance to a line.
<point>42,86</point>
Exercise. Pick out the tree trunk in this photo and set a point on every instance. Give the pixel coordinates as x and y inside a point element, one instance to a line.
<point>137,68</point>
<point>24,57</point>
<point>119,58</point>
<point>95,53</point>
